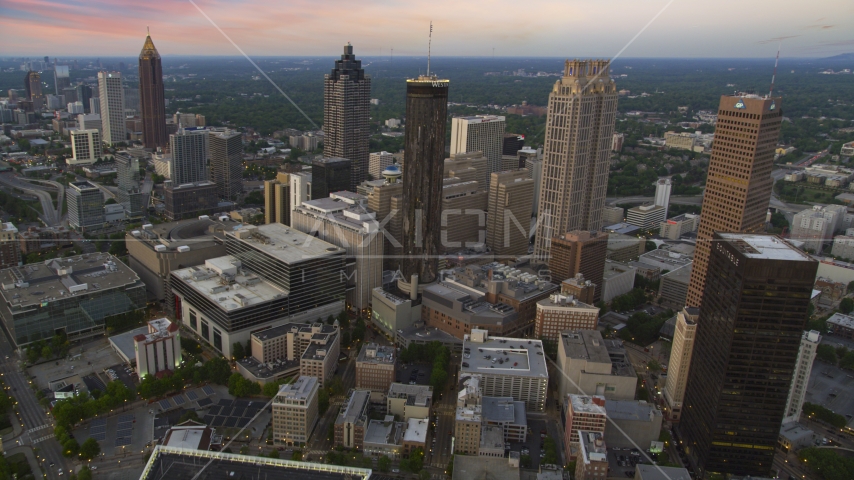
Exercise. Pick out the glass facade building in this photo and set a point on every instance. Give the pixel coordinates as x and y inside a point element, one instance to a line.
<point>74,295</point>
<point>85,205</point>
<point>749,330</point>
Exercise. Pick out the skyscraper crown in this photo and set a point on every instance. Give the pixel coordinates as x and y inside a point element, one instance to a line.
<point>149,51</point>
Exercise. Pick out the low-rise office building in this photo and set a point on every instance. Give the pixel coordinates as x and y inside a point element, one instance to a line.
<point>673,287</point>
<point>409,401</point>
<point>154,251</point>
<point>632,423</point>
<point>646,217</point>
<point>624,248</point>
<point>579,287</point>
<point>279,351</point>
<point>295,411</point>
<point>583,412</point>
<point>559,313</point>
<point>841,325</point>
<point>10,248</point>
<point>592,365</point>
<point>674,228</point>
<point>384,437</point>
<point>158,350</point>
<point>375,368</point>
<point>665,259</point>
<point>75,295</point>
<point>352,420</point>
<point>618,279</point>
<point>191,200</point>
<point>592,461</point>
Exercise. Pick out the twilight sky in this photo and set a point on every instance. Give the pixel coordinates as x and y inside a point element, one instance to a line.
<point>545,28</point>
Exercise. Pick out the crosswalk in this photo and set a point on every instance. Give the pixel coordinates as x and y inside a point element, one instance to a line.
<point>36,429</point>
<point>46,437</point>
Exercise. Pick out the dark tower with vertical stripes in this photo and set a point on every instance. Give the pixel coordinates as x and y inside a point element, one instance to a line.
<point>152,100</point>
<point>346,115</point>
<point>423,164</point>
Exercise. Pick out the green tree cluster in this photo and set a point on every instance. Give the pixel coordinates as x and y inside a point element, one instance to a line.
<point>69,411</point>
<point>846,305</point>
<point>827,464</point>
<point>216,370</point>
<point>824,414</point>
<point>434,353</point>
<point>241,387</point>
<point>629,301</point>
<point>550,449</point>
<point>826,353</point>
<point>415,462</point>
<point>643,329</point>
<point>384,464</point>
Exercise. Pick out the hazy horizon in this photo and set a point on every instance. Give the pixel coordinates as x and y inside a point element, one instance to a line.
<point>539,28</point>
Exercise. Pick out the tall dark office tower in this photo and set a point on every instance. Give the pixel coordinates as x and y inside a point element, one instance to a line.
<point>738,187</point>
<point>426,118</point>
<point>61,79</point>
<point>84,94</point>
<point>346,114</point>
<point>33,85</point>
<point>152,101</point>
<point>127,177</point>
<point>330,175</point>
<point>749,330</point>
<point>226,152</point>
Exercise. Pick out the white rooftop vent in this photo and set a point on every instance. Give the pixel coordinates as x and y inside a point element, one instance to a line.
<point>183,248</point>
<point>136,233</point>
<point>204,217</point>
<point>148,226</point>
<point>160,248</point>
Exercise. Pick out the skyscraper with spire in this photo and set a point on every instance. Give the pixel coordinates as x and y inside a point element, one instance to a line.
<point>579,129</point>
<point>152,99</point>
<point>346,115</point>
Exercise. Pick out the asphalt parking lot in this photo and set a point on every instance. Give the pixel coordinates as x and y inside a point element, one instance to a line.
<point>124,373</point>
<point>422,377</point>
<point>533,441</point>
<point>621,462</point>
<point>830,387</point>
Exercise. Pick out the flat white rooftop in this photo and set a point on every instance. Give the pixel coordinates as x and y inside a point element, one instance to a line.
<point>285,243</point>
<point>767,247</point>
<point>416,430</point>
<point>247,290</point>
<point>505,356</point>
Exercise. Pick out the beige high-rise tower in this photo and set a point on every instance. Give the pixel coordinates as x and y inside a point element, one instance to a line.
<point>277,199</point>
<point>738,187</point>
<point>680,362</point>
<point>511,195</point>
<point>579,129</point>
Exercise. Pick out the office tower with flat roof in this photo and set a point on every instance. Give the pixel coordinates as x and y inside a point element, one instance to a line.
<point>343,220</point>
<point>346,116</point>
<point>295,411</point>
<point>226,152</point>
<point>511,194</point>
<point>468,167</point>
<point>755,302</point>
<point>61,78</point>
<point>10,247</point>
<point>190,200</point>
<point>579,252</point>
<point>85,205</point>
<point>511,144</point>
<point>581,114</point>
<point>112,107</point>
<point>189,156</point>
<point>738,187</point>
<point>662,194</point>
<point>33,85</point>
<point>479,133</point>
<point>560,313</point>
<point>463,215</point>
<point>277,199</point>
<point>426,116</point>
<point>803,367</point>
<point>583,412</point>
<point>378,162</point>
<point>680,362</point>
<point>85,147</point>
<point>300,190</point>
<point>129,190</point>
<point>329,175</point>
<point>84,95</point>
<point>380,194</point>
<point>298,284</point>
<point>375,368</point>
<point>152,99</point>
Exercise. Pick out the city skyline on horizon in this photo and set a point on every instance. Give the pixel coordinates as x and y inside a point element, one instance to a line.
<point>81,28</point>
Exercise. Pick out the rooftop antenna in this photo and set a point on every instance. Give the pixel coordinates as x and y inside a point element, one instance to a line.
<point>429,44</point>
<point>148,30</point>
<point>774,75</point>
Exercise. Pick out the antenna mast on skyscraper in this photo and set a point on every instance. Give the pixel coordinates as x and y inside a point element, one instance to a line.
<point>774,75</point>
<point>429,44</point>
